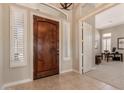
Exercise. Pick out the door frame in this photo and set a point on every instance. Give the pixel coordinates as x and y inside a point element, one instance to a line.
<point>98,10</point>
<point>31,40</point>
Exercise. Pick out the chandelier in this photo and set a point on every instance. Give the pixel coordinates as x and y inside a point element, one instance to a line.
<point>66,6</point>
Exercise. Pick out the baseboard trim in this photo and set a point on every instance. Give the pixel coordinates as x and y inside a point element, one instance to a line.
<point>29,80</point>
<point>65,71</point>
<point>16,83</point>
<point>69,70</point>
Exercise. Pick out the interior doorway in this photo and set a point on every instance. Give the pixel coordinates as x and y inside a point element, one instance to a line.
<point>86,24</point>
<point>46,47</point>
<point>109,64</point>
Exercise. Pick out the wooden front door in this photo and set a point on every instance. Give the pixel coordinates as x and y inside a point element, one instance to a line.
<point>46,47</point>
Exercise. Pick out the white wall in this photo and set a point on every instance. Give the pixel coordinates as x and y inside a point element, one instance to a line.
<point>75,48</point>
<point>23,73</point>
<point>1,49</point>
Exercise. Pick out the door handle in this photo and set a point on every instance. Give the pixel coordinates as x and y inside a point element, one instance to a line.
<point>57,51</point>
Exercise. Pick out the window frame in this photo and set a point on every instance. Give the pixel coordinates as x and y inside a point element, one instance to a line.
<point>13,63</point>
<point>105,38</point>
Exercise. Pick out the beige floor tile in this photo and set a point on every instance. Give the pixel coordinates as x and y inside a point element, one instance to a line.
<point>66,81</point>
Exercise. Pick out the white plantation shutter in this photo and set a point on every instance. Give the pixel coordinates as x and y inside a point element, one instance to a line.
<point>66,40</point>
<point>18,37</point>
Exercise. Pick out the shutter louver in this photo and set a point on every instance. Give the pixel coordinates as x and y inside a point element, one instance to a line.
<point>18,35</point>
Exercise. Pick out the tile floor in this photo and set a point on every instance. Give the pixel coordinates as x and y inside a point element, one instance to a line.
<point>66,81</point>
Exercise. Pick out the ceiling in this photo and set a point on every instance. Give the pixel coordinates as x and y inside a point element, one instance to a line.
<point>59,6</point>
<point>111,17</point>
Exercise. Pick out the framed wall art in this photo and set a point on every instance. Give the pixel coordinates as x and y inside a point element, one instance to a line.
<point>120,43</point>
